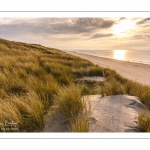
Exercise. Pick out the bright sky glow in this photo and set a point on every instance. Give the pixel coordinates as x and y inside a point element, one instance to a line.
<point>119,54</point>
<point>123,28</point>
<point>79,33</point>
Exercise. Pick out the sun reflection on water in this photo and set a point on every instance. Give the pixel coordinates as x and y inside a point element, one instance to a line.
<point>119,54</point>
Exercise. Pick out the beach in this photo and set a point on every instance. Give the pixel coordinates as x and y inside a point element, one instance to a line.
<point>134,71</point>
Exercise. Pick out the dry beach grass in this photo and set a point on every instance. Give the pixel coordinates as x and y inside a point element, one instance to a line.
<point>30,78</point>
<point>33,78</point>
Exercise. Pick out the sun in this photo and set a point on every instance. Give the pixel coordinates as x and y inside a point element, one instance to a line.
<point>119,54</point>
<point>123,28</point>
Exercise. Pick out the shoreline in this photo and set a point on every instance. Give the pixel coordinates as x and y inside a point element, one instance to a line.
<point>140,62</point>
<point>137,72</point>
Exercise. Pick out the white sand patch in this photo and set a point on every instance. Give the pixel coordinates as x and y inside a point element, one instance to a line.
<point>54,121</point>
<point>94,78</point>
<point>117,113</point>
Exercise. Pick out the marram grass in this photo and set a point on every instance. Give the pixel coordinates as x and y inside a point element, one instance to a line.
<point>30,76</point>
<point>33,77</point>
<point>144,121</point>
<point>73,107</point>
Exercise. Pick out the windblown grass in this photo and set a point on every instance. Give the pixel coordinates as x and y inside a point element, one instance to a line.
<point>80,124</point>
<point>27,111</point>
<point>33,76</point>
<point>144,121</point>
<point>31,68</point>
<point>117,84</point>
<point>141,91</point>
<point>112,87</point>
<point>73,107</point>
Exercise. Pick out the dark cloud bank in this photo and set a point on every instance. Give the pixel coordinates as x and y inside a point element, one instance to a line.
<point>45,26</point>
<point>143,21</point>
<point>100,36</point>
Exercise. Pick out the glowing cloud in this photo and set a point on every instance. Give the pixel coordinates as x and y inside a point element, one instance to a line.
<point>123,27</point>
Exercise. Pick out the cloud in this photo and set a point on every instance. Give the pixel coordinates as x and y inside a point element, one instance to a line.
<point>100,36</point>
<point>137,37</point>
<point>143,21</point>
<point>47,26</point>
<point>80,32</point>
<point>77,26</point>
<point>94,23</point>
<point>122,18</point>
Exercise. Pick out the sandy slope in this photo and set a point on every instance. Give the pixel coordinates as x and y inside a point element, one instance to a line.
<point>134,71</point>
<point>54,121</point>
<point>118,113</point>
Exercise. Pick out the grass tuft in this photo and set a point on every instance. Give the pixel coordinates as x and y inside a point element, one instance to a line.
<point>73,107</point>
<point>144,121</point>
<point>112,88</point>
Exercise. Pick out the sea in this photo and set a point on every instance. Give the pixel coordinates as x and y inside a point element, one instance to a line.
<point>139,56</point>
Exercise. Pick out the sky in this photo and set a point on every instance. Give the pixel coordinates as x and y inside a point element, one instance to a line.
<point>79,33</point>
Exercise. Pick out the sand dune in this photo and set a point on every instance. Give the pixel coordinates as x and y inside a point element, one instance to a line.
<point>118,113</point>
<point>135,71</point>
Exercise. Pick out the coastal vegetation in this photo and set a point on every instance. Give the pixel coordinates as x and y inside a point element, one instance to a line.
<point>33,78</point>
